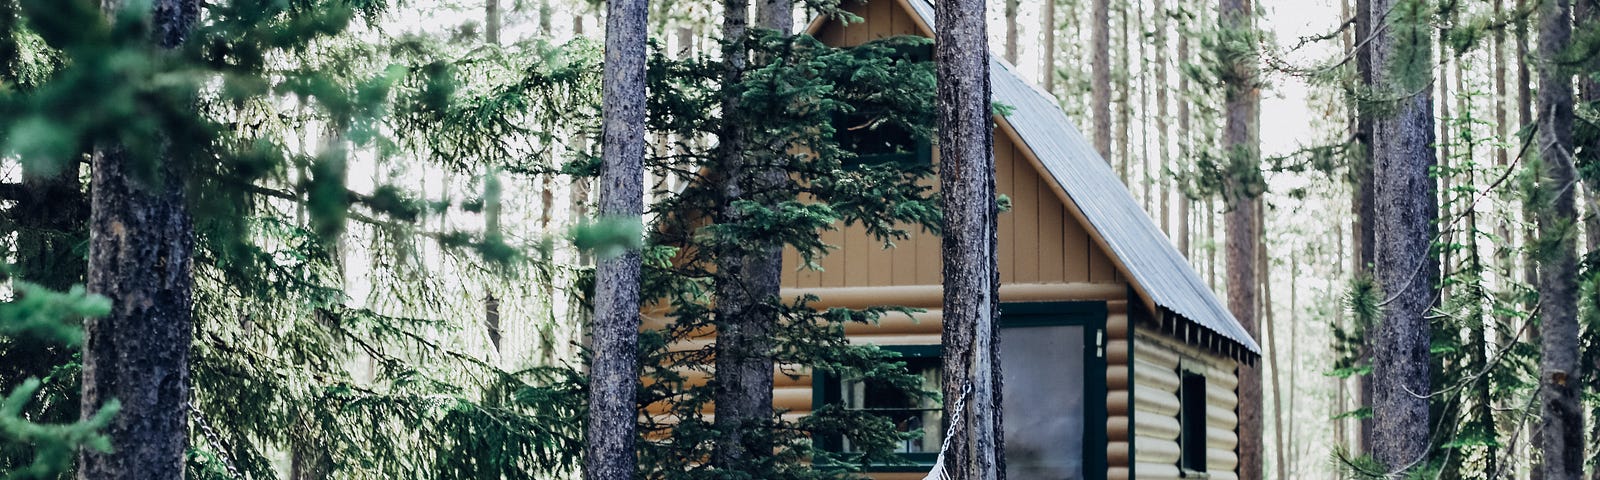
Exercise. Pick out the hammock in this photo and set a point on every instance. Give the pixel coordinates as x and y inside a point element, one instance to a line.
<point>939,472</point>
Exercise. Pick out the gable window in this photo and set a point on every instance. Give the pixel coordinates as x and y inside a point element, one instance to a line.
<point>873,139</point>
<point>1192,421</point>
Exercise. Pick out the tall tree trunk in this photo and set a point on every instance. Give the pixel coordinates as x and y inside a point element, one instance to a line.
<point>1145,185</point>
<point>1264,266</point>
<point>1211,241</point>
<point>491,22</point>
<point>1048,28</point>
<point>1100,76</point>
<point>1241,146</point>
<point>613,385</point>
<point>1561,411</point>
<point>140,255</point>
<point>971,276</point>
<point>748,278</point>
<point>1586,14</point>
<point>1530,267</point>
<point>1124,85</point>
<point>1404,268</point>
<point>1162,151</point>
<point>1185,143</point>
<point>1011,7</point>
<point>1363,204</point>
<point>1292,459</point>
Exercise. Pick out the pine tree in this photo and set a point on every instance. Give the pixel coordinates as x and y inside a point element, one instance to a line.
<point>1242,185</point>
<point>1403,232</point>
<point>1100,71</point>
<point>971,370</point>
<point>1561,437</point>
<point>140,258</point>
<point>615,369</point>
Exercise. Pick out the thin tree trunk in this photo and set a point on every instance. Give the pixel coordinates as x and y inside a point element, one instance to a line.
<point>1241,146</point>
<point>1293,460</point>
<point>1530,267</point>
<point>1162,151</point>
<point>1364,205</point>
<point>1404,268</point>
<point>615,375</point>
<point>1124,105</point>
<point>971,277</point>
<point>140,257</point>
<point>491,22</point>
<point>1561,413</point>
<point>1185,145</point>
<point>1211,240</point>
<point>1011,7</point>
<point>1048,28</point>
<point>1264,266</point>
<point>1145,185</point>
<point>1100,73</point>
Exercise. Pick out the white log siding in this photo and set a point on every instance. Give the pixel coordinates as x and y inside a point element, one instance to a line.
<point>1156,359</point>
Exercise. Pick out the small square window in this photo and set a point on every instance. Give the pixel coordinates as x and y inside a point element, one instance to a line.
<point>1192,422</point>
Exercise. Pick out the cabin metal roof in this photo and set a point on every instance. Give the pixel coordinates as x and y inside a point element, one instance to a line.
<point>1144,251</point>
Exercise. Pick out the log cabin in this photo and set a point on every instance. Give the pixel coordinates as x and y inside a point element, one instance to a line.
<point>1119,361</point>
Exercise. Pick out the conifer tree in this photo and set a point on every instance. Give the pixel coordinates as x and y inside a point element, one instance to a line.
<point>615,368</point>
<point>1561,439</point>
<point>1405,212</point>
<point>971,376</point>
<point>1100,71</point>
<point>140,258</point>
<point>1242,186</point>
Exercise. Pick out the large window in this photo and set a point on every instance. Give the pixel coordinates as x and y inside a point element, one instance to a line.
<point>1054,395</point>
<point>1192,421</point>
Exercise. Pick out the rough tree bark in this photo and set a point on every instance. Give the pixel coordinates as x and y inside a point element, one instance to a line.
<point>1240,144</point>
<point>748,276</point>
<point>140,254</point>
<point>971,275</point>
<point>615,371</point>
<point>1100,76</point>
<point>1561,414</point>
<point>1404,213</point>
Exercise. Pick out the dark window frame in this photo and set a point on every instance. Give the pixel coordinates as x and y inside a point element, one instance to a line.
<point>1192,403</point>
<point>917,154</point>
<point>1088,314</point>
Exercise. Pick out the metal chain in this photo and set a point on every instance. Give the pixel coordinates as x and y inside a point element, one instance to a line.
<point>938,472</point>
<point>212,438</point>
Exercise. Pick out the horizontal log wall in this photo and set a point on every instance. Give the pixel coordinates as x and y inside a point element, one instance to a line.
<point>1155,404</point>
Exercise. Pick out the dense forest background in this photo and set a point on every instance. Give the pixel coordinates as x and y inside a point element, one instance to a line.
<point>393,232</point>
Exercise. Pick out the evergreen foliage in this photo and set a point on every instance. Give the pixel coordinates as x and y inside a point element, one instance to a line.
<point>794,97</point>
